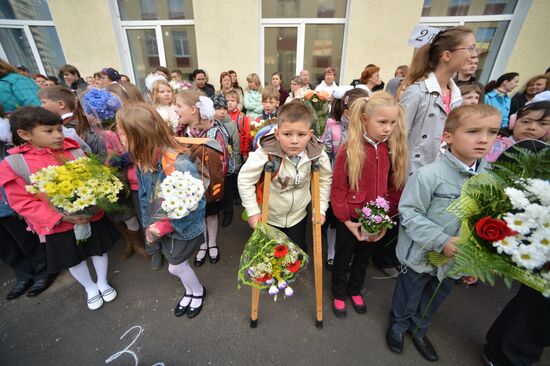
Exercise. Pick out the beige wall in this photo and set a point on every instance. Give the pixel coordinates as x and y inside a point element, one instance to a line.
<point>378,34</point>
<point>86,34</point>
<point>228,37</point>
<point>531,54</point>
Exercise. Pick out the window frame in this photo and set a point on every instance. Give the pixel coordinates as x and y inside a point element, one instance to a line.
<point>26,26</point>
<point>515,22</point>
<point>300,24</point>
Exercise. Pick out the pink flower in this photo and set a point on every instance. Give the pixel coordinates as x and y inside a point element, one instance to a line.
<point>366,211</point>
<point>382,203</point>
<point>378,219</point>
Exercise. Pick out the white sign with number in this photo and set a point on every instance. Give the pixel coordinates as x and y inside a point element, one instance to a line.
<point>421,35</point>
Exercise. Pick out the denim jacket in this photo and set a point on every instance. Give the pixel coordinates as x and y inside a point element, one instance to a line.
<point>186,228</point>
<point>426,225</point>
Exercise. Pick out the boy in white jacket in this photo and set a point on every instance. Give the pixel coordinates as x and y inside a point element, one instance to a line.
<point>292,147</point>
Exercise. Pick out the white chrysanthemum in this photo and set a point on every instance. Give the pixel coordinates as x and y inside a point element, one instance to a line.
<point>508,245</point>
<point>529,257</point>
<point>537,212</point>
<point>521,222</point>
<point>541,189</point>
<point>541,238</point>
<point>517,198</point>
<point>546,275</point>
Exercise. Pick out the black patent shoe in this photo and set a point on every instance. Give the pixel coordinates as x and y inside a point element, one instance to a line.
<point>200,261</point>
<point>395,341</point>
<point>19,289</point>
<point>181,310</point>
<point>215,259</point>
<point>41,285</point>
<point>193,312</point>
<point>425,348</point>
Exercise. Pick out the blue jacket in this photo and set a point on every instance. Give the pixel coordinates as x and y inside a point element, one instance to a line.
<point>5,209</point>
<point>16,91</point>
<point>501,102</point>
<point>186,228</point>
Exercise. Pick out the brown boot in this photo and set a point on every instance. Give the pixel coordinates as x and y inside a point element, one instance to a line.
<point>128,249</point>
<point>137,243</point>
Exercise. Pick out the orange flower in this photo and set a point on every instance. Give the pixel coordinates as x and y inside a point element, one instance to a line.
<point>323,95</point>
<point>308,94</point>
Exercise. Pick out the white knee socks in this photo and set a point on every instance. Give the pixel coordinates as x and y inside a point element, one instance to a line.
<point>212,228</point>
<point>189,280</point>
<point>202,249</point>
<point>101,263</point>
<point>81,273</point>
<point>331,241</point>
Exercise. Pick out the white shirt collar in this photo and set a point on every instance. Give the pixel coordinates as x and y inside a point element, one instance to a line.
<point>467,167</point>
<point>433,86</point>
<point>66,115</point>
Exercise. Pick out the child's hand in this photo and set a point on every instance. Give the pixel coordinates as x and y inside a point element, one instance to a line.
<point>76,219</point>
<point>253,220</point>
<point>450,247</point>
<point>321,220</point>
<point>469,280</point>
<point>355,228</point>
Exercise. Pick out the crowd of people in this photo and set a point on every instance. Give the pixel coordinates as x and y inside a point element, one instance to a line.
<point>415,144</point>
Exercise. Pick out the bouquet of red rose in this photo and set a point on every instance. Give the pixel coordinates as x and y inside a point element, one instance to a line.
<point>271,260</point>
<point>505,223</point>
<point>375,216</point>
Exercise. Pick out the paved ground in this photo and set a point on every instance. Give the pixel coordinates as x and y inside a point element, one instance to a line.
<point>139,327</point>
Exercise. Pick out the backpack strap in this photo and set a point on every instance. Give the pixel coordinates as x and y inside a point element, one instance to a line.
<point>240,121</point>
<point>19,165</point>
<point>77,153</point>
<point>277,162</point>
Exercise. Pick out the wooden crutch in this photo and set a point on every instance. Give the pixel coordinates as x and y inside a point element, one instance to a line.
<point>268,170</point>
<point>317,243</point>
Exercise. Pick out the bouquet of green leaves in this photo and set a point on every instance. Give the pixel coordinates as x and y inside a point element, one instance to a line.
<point>505,223</point>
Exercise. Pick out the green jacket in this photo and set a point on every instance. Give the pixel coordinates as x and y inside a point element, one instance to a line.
<point>425,223</point>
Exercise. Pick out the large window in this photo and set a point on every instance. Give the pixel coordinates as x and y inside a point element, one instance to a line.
<point>28,36</point>
<point>157,33</point>
<point>495,23</point>
<point>300,35</point>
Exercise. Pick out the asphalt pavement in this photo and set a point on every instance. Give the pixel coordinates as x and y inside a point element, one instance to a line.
<point>139,327</point>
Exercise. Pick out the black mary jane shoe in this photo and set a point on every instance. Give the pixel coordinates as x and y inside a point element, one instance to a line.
<point>19,289</point>
<point>215,259</point>
<point>181,310</point>
<point>193,312</point>
<point>200,262</point>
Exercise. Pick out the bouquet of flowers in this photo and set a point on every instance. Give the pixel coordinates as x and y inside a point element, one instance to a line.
<point>102,105</point>
<point>318,103</point>
<point>79,188</point>
<point>271,261</point>
<point>257,124</point>
<point>505,223</point>
<point>174,198</point>
<point>374,216</point>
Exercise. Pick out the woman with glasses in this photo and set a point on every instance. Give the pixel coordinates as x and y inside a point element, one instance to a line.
<point>430,92</point>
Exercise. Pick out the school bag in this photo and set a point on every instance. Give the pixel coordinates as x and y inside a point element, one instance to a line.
<point>231,156</point>
<point>206,154</point>
<point>211,134</point>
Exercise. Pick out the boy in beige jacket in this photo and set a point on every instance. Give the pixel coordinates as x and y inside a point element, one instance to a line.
<point>292,147</point>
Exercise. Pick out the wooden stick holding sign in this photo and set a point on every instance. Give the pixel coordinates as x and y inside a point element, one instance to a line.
<point>317,243</point>
<point>268,170</point>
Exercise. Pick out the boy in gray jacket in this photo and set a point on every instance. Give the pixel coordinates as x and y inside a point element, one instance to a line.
<point>426,226</point>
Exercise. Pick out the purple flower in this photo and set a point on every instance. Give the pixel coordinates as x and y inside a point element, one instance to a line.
<point>382,203</point>
<point>289,291</point>
<point>273,290</point>
<point>366,211</point>
<point>282,285</point>
<point>101,104</point>
<point>378,219</point>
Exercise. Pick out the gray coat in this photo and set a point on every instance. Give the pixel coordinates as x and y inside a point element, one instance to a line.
<point>426,118</point>
<point>233,131</point>
<point>425,224</point>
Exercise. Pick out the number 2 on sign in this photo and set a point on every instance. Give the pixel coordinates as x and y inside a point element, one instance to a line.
<point>424,33</point>
<point>127,350</point>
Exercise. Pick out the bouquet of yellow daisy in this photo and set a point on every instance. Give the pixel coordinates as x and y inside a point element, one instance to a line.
<point>79,187</point>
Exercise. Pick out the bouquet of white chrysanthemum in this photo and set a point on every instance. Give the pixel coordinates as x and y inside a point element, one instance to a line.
<point>181,194</point>
<point>79,187</point>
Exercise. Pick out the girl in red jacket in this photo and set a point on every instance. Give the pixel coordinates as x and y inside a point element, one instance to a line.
<point>40,140</point>
<point>364,169</point>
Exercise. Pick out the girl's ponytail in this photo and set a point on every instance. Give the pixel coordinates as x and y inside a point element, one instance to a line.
<point>509,76</point>
<point>490,86</point>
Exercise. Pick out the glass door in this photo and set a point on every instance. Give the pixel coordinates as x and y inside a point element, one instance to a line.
<point>280,52</point>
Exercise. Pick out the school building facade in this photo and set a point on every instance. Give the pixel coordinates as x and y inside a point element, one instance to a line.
<point>264,36</point>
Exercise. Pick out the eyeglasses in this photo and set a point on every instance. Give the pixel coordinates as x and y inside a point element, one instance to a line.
<point>471,49</point>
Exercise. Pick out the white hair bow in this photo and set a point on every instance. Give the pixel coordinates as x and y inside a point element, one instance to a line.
<point>206,107</point>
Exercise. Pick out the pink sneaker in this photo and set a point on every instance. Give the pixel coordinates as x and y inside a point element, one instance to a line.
<point>339,308</point>
<point>358,304</point>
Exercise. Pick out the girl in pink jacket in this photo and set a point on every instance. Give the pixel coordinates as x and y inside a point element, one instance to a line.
<point>40,141</point>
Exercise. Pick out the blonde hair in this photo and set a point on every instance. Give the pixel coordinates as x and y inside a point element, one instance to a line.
<point>126,92</point>
<point>156,89</point>
<point>146,132</point>
<point>270,92</point>
<point>189,97</point>
<point>458,115</point>
<point>256,79</point>
<point>397,142</point>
